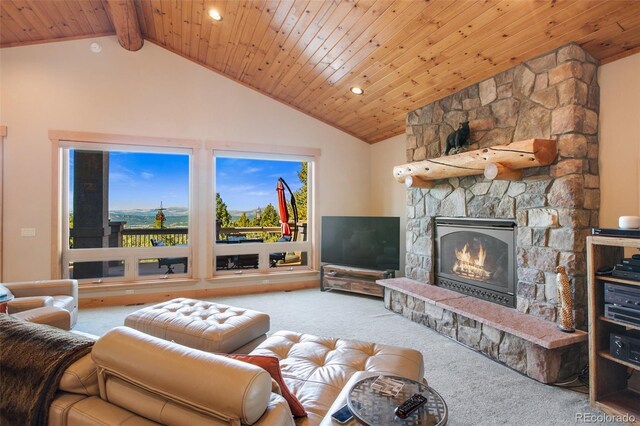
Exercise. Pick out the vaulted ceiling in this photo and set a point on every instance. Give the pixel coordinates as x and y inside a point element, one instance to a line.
<point>308,54</point>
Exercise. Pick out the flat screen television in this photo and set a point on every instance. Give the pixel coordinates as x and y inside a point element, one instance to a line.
<point>364,242</point>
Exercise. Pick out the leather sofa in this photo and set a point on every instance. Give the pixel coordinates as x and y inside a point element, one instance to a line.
<point>131,378</point>
<point>52,302</point>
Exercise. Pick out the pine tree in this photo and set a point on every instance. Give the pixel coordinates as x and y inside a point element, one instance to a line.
<point>255,220</point>
<point>222,214</point>
<point>301,193</point>
<point>243,221</point>
<point>270,216</point>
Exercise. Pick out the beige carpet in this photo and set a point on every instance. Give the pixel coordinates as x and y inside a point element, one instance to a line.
<point>477,390</point>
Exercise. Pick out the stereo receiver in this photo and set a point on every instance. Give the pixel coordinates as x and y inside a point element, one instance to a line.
<point>625,347</point>
<point>622,295</point>
<point>622,314</point>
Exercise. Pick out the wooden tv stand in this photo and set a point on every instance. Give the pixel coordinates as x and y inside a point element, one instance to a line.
<point>355,280</point>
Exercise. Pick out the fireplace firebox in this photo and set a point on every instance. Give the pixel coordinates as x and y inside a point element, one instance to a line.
<point>476,257</point>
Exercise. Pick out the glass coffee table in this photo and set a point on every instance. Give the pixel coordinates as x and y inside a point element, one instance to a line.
<point>374,408</point>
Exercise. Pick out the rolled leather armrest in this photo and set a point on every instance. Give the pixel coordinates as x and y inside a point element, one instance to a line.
<point>44,288</point>
<point>277,413</point>
<point>20,304</point>
<point>223,387</point>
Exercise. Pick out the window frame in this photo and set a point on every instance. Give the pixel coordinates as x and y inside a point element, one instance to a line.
<point>201,249</point>
<point>263,250</point>
<point>62,254</point>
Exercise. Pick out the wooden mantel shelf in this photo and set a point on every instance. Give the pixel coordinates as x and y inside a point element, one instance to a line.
<point>501,162</point>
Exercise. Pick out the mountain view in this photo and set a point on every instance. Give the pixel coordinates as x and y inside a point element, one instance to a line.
<point>176,217</point>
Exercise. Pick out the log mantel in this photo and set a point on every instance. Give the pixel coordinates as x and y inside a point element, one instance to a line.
<point>501,159</point>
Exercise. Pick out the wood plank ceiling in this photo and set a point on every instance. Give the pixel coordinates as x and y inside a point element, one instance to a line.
<point>308,54</point>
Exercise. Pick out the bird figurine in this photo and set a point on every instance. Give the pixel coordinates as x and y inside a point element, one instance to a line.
<point>565,301</point>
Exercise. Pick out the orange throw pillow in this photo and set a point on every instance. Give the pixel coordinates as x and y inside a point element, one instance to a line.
<point>272,365</point>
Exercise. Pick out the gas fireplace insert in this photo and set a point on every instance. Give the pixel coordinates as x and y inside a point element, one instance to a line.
<point>477,257</point>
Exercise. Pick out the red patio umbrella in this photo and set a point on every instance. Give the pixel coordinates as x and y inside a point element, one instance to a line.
<point>285,230</point>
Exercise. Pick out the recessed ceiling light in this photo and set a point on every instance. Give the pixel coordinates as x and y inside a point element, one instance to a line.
<point>215,15</point>
<point>95,47</point>
<point>357,90</point>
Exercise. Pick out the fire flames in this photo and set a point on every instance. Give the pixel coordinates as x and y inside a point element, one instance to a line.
<point>469,266</point>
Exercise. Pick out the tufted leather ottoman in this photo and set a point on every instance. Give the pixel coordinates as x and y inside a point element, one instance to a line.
<point>207,326</point>
<point>316,368</point>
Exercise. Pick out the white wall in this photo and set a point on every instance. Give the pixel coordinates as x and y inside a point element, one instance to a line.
<point>619,140</point>
<point>152,92</point>
<point>388,197</point>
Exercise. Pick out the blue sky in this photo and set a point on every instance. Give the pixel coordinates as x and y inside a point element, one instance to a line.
<point>143,180</point>
<point>245,184</point>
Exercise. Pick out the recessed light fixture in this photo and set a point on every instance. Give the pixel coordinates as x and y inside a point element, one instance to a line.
<point>95,47</point>
<point>215,15</point>
<point>357,91</point>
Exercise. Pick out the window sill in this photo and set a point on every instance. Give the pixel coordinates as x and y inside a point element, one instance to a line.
<point>265,278</point>
<point>120,285</point>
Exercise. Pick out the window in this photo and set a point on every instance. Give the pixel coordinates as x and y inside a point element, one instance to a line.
<point>137,209</point>
<point>262,212</point>
<point>125,212</point>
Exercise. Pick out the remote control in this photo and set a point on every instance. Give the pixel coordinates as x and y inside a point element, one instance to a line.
<point>405,409</point>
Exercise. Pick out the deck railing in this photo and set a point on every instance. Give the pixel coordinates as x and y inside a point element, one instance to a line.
<point>267,233</point>
<point>141,237</point>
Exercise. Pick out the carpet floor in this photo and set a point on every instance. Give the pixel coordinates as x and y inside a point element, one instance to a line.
<point>477,390</point>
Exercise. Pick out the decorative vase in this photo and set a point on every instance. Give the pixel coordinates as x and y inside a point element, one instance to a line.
<point>565,301</point>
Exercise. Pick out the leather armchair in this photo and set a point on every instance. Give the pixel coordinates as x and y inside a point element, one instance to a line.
<point>31,295</point>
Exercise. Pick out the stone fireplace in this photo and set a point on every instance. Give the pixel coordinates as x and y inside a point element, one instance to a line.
<point>476,257</point>
<point>551,208</point>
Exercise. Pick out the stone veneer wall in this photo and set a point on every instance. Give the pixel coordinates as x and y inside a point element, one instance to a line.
<point>554,96</point>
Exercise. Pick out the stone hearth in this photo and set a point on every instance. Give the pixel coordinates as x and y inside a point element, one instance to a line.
<point>554,96</point>
<point>527,344</point>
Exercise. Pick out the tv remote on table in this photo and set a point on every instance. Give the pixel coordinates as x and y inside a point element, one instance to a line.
<point>405,409</point>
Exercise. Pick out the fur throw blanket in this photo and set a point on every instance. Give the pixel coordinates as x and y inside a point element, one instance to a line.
<point>32,360</point>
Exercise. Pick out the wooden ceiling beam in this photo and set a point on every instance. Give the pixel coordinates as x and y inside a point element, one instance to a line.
<point>125,21</point>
